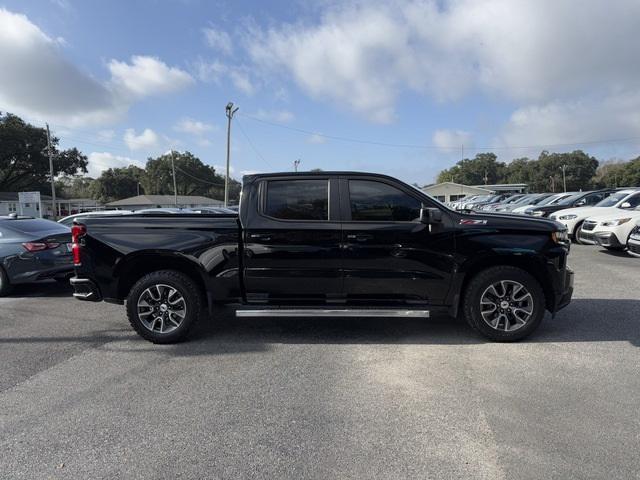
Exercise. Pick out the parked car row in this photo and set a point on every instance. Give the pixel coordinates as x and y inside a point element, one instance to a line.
<point>604,217</point>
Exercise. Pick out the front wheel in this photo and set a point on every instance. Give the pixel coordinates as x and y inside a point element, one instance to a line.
<point>504,303</point>
<point>163,306</point>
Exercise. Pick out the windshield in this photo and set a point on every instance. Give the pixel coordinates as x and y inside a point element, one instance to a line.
<point>569,200</point>
<point>611,200</point>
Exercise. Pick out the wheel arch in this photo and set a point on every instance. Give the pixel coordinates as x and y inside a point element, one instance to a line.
<point>132,268</point>
<point>528,263</point>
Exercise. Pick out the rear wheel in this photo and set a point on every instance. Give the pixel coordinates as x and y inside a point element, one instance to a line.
<point>504,303</point>
<point>5,285</point>
<point>163,306</point>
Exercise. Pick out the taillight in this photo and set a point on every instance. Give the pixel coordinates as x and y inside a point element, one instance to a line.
<point>39,246</point>
<point>77,231</point>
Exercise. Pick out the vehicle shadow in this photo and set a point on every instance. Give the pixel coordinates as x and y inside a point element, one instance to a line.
<point>584,320</point>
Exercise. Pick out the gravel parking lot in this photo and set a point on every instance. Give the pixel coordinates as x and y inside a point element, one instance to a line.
<point>81,396</point>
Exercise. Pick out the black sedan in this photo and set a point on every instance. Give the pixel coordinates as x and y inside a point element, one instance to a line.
<point>33,249</point>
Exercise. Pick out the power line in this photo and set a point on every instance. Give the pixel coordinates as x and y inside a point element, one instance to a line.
<point>410,145</point>
<point>253,147</point>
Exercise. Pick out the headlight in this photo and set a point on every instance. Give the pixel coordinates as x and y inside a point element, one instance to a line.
<point>567,217</point>
<point>560,236</point>
<point>616,222</point>
<point>536,213</point>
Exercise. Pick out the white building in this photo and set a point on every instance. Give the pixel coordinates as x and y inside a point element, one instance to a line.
<point>451,192</point>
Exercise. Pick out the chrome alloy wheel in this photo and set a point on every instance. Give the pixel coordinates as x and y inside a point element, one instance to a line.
<point>506,306</point>
<point>161,308</point>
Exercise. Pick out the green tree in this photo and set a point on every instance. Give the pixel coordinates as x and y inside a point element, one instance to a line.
<point>193,177</point>
<point>74,186</point>
<point>117,183</point>
<point>483,169</point>
<point>24,164</point>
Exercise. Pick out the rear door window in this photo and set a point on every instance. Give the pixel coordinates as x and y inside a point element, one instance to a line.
<point>298,199</point>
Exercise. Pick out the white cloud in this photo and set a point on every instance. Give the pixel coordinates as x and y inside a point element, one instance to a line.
<point>363,55</point>
<point>194,127</point>
<point>210,72</point>
<point>316,138</point>
<point>147,140</point>
<point>147,76</point>
<point>279,116</point>
<point>204,142</point>
<point>106,135</point>
<point>100,161</point>
<point>216,71</point>
<point>242,82</point>
<point>37,81</point>
<point>218,40</point>
<point>448,140</point>
<point>613,117</point>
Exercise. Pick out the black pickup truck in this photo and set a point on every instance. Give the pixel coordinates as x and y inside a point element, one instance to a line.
<point>326,244</point>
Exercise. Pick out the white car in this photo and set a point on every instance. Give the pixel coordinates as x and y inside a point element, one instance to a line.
<point>610,230</point>
<point>555,198</point>
<point>572,218</point>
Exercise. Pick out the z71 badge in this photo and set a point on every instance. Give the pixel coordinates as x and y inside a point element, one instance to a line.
<point>469,221</point>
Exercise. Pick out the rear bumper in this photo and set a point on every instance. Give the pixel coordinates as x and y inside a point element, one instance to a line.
<point>85,289</point>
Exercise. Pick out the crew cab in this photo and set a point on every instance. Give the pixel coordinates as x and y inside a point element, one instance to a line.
<point>326,244</point>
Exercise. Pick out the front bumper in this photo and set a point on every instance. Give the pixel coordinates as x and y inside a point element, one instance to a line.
<point>633,245</point>
<point>85,289</point>
<point>586,236</point>
<point>607,239</point>
<point>563,298</point>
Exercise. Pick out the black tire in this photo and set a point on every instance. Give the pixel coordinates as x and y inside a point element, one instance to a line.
<point>5,285</point>
<point>575,234</point>
<point>615,249</point>
<point>184,286</point>
<point>481,283</point>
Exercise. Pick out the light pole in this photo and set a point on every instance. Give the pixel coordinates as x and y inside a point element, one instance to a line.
<point>53,185</point>
<point>295,165</point>
<point>175,190</point>
<point>230,111</point>
<point>564,178</point>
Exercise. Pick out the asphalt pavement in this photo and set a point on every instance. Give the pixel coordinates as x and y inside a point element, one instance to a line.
<point>82,396</point>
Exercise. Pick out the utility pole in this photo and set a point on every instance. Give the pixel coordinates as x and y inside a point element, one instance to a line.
<point>295,165</point>
<point>553,184</point>
<point>564,178</point>
<point>486,178</point>
<point>53,185</point>
<point>175,190</point>
<point>230,111</point>
<point>138,187</point>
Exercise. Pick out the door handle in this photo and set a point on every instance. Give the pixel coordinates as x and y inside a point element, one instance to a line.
<point>360,237</point>
<point>260,236</point>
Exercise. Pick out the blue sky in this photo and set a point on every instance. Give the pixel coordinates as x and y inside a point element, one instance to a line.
<point>124,80</point>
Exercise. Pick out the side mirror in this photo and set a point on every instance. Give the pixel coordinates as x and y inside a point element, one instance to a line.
<point>581,202</point>
<point>625,205</point>
<point>430,215</point>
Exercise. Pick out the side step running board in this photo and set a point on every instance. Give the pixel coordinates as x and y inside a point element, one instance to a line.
<point>309,312</point>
